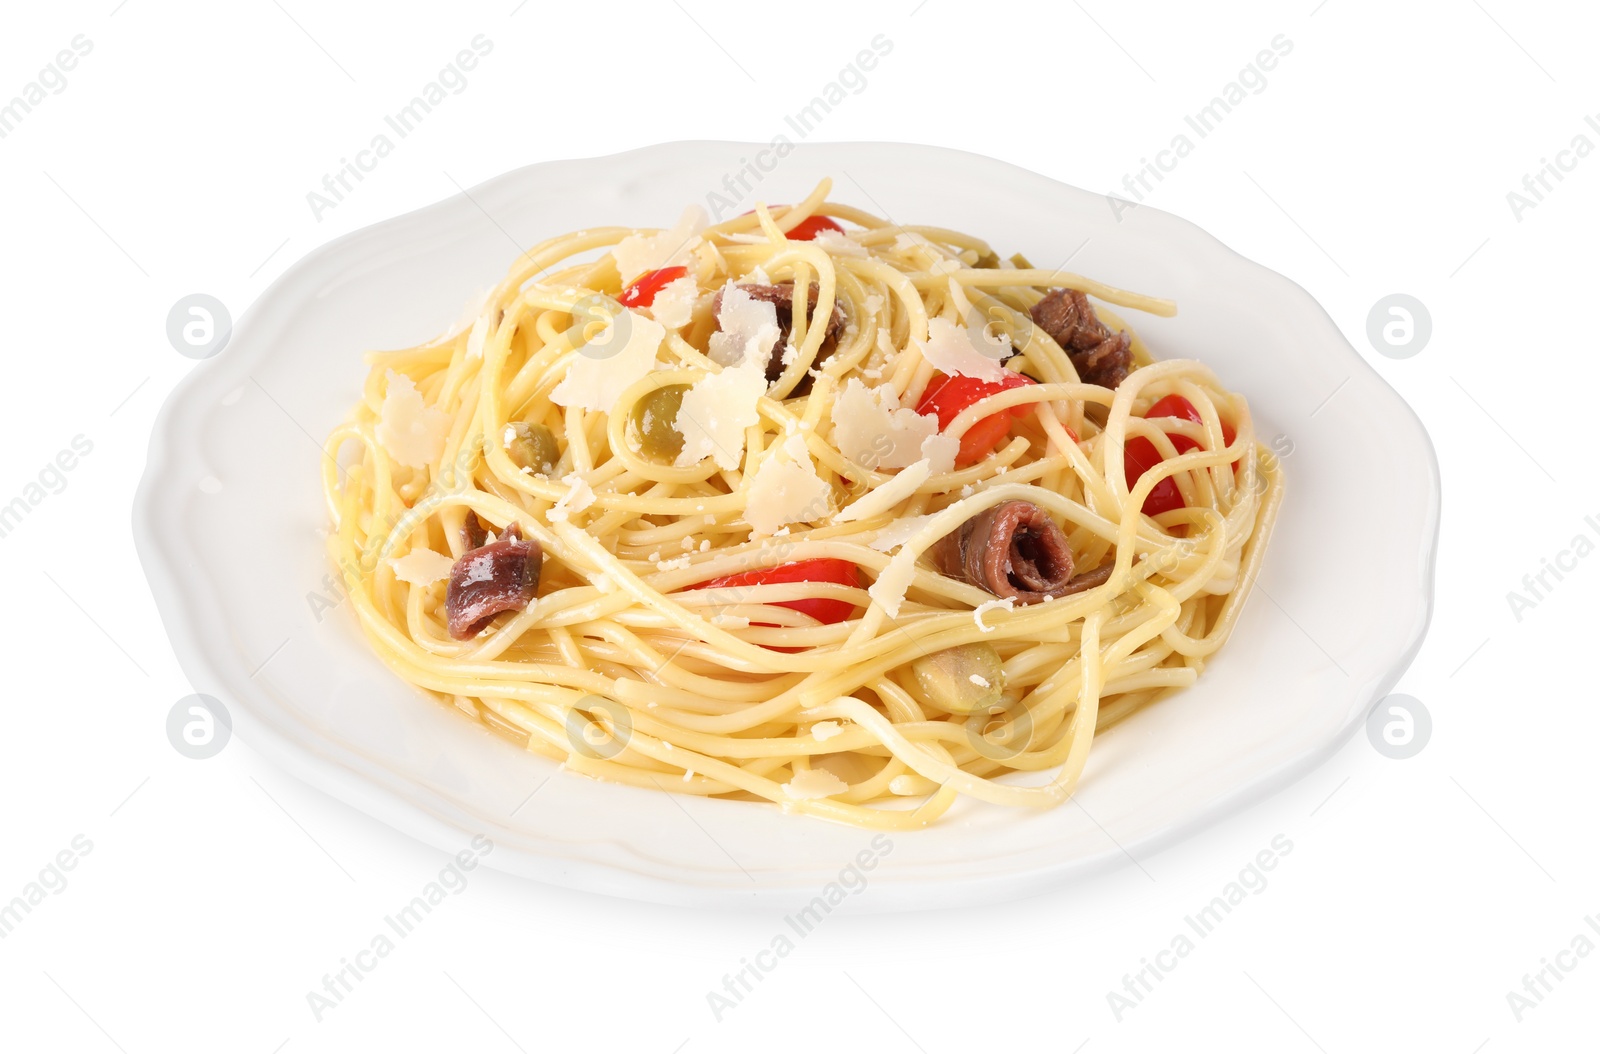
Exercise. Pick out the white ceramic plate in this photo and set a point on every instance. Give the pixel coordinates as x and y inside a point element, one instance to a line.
<point>228,516</point>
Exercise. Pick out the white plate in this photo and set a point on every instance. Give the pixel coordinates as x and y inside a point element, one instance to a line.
<point>228,516</point>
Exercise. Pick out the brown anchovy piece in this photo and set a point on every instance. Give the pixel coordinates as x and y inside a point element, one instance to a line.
<point>1100,356</point>
<point>474,533</point>
<point>1014,550</point>
<point>781,296</point>
<point>501,576</point>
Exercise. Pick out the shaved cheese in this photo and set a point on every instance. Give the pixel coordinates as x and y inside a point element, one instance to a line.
<point>1003,604</point>
<point>941,451</point>
<point>479,334</point>
<point>747,328</point>
<point>421,567</point>
<point>889,591</point>
<point>409,430</point>
<point>839,244</point>
<point>638,253</point>
<point>579,496</point>
<point>814,783</point>
<point>871,428</point>
<point>954,349</point>
<point>715,413</point>
<point>786,490</point>
<point>905,241</point>
<point>674,302</point>
<point>601,371</point>
<point>881,499</point>
<point>469,314</point>
<point>899,532</point>
<point>823,731</point>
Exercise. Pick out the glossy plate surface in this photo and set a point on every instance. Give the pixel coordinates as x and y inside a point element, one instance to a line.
<point>233,468</point>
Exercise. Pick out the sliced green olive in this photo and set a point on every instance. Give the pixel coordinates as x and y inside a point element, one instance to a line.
<point>988,258</point>
<point>965,679</point>
<point>655,422</point>
<point>532,446</point>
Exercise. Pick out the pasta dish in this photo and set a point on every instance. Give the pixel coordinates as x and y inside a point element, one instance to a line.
<point>805,507</point>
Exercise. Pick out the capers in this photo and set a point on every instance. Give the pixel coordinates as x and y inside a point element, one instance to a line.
<point>532,446</point>
<point>655,423</point>
<point>962,680</point>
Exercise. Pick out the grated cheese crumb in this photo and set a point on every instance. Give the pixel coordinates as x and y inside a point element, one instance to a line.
<point>1003,604</point>
<point>814,783</point>
<point>579,496</point>
<point>823,731</point>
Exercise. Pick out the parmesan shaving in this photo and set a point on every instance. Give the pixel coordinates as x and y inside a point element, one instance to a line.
<point>899,532</point>
<point>600,372</point>
<point>409,430</point>
<point>421,567</point>
<point>747,328</point>
<point>638,253</point>
<point>479,334</point>
<point>786,490</point>
<point>839,244</point>
<point>954,349</point>
<point>871,428</point>
<point>673,305</point>
<point>715,413</point>
<point>469,314</point>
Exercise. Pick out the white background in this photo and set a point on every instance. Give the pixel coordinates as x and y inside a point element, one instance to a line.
<point>1377,159</point>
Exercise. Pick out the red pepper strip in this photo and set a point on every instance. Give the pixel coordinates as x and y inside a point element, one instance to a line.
<point>825,569</point>
<point>641,292</point>
<point>948,396</point>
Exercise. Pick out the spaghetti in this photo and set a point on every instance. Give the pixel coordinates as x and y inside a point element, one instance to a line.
<point>786,510</point>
